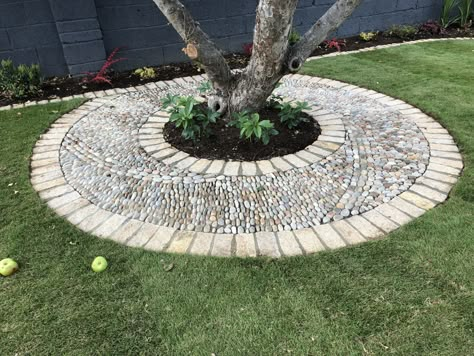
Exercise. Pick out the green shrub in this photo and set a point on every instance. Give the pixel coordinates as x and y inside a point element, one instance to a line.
<point>368,36</point>
<point>252,128</point>
<point>194,121</point>
<point>447,17</point>
<point>145,73</point>
<point>465,11</point>
<point>294,37</point>
<point>21,81</point>
<point>205,87</point>
<point>290,115</point>
<point>404,32</point>
<point>274,101</point>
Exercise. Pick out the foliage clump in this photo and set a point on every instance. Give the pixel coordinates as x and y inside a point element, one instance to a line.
<point>102,75</point>
<point>290,114</point>
<point>20,81</point>
<point>404,32</point>
<point>368,36</point>
<point>253,128</point>
<point>145,73</point>
<point>186,115</point>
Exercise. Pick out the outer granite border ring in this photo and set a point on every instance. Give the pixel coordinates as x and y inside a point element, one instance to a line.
<point>332,137</point>
<point>432,188</point>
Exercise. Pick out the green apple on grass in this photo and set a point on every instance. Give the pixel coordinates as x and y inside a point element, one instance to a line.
<point>99,264</point>
<point>8,267</point>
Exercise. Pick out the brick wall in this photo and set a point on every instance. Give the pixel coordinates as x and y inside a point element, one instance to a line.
<point>73,36</point>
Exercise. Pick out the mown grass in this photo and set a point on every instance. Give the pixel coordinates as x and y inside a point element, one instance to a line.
<point>411,293</point>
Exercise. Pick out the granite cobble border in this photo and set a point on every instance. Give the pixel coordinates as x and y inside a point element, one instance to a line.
<point>432,188</point>
<point>331,139</point>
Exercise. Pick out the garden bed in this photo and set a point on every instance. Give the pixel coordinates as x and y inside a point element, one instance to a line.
<point>67,86</point>
<point>286,142</point>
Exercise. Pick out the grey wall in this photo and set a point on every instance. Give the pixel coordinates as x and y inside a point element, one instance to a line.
<point>74,36</point>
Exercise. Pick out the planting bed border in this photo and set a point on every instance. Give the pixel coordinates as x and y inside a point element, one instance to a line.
<point>330,140</point>
<point>445,166</point>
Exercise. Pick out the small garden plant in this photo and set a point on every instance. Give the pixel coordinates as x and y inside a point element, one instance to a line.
<point>405,32</point>
<point>432,27</point>
<point>335,43</point>
<point>186,115</point>
<point>294,37</point>
<point>21,81</point>
<point>447,18</point>
<point>290,115</point>
<point>101,76</point>
<point>205,87</point>
<point>145,73</point>
<point>368,36</point>
<point>253,128</point>
<point>465,13</point>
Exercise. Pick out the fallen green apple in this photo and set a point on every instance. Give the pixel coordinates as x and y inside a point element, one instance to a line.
<point>8,267</point>
<point>99,264</point>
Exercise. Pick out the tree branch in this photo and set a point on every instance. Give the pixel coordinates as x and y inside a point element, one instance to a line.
<point>199,45</point>
<point>329,22</point>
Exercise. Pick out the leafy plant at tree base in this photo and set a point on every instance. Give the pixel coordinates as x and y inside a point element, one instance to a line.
<point>368,36</point>
<point>184,116</point>
<point>21,81</point>
<point>205,87</point>
<point>101,75</point>
<point>465,10</point>
<point>294,37</point>
<point>194,121</point>
<point>274,101</point>
<point>252,128</point>
<point>405,32</point>
<point>290,115</point>
<point>206,117</point>
<point>169,100</point>
<point>145,73</point>
<point>335,43</point>
<point>432,27</point>
<point>447,18</point>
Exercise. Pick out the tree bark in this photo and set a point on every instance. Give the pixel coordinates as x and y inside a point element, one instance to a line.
<point>329,22</point>
<point>199,46</point>
<point>270,45</point>
<point>272,56</point>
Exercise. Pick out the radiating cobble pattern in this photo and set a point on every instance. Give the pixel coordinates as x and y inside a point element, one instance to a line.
<point>381,157</point>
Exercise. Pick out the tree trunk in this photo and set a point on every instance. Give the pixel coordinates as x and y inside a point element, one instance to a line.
<point>270,46</point>
<point>272,56</point>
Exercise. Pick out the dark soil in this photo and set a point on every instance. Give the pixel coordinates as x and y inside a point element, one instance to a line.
<point>67,86</point>
<point>355,42</point>
<point>225,142</point>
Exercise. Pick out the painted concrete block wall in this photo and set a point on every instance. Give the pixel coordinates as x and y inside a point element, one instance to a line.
<point>28,35</point>
<point>74,36</point>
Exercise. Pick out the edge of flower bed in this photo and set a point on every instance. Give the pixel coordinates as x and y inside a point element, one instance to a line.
<point>330,140</point>
<point>104,93</point>
<point>445,166</point>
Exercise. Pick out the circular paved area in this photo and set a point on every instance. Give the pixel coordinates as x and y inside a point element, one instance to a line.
<point>378,164</point>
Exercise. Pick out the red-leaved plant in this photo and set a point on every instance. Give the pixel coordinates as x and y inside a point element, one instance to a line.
<point>335,43</point>
<point>101,76</point>
<point>248,47</point>
<point>433,28</point>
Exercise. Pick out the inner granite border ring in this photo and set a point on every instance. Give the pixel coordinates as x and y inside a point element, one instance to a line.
<point>430,189</point>
<point>332,137</point>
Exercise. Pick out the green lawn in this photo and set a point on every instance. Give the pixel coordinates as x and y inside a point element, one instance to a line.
<point>411,293</point>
